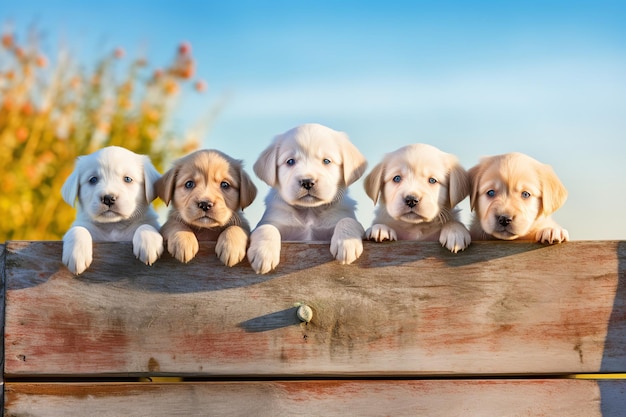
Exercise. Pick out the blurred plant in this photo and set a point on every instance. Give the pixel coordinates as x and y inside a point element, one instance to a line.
<point>49,115</point>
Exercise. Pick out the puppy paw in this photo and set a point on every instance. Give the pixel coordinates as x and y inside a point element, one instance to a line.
<point>183,246</point>
<point>346,245</point>
<point>552,235</point>
<point>77,249</point>
<point>455,237</point>
<point>147,244</point>
<point>231,245</point>
<point>264,251</point>
<point>380,232</point>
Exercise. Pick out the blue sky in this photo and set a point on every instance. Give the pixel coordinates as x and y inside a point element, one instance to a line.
<point>472,78</point>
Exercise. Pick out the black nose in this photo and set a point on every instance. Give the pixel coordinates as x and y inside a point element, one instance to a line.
<point>307,183</point>
<point>411,201</point>
<point>504,220</point>
<point>205,205</point>
<point>109,200</point>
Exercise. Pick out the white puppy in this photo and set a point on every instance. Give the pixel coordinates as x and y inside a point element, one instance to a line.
<point>418,187</point>
<point>114,188</point>
<point>309,169</point>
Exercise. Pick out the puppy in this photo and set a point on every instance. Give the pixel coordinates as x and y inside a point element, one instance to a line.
<point>208,190</point>
<point>513,196</point>
<point>309,169</point>
<point>114,188</point>
<point>418,187</point>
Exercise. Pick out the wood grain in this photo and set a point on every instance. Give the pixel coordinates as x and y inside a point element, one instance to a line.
<point>486,398</point>
<point>403,309</point>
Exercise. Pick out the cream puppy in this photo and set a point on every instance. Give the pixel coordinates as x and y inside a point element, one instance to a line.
<point>416,188</point>
<point>208,191</point>
<point>309,169</point>
<point>114,188</point>
<point>513,196</point>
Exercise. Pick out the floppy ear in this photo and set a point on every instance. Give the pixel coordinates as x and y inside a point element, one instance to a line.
<point>474,175</point>
<point>70,187</point>
<point>164,186</point>
<point>150,177</point>
<point>354,163</point>
<point>374,182</point>
<point>553,191</point>
<point>247,189</point>
<point>459,183</point>
<point>265,165</point>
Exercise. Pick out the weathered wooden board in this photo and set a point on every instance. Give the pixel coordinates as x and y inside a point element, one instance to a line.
<point>405,308</point>
<point>552,397</point>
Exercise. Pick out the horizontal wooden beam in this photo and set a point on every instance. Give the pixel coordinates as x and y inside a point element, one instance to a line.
<point>403,309</point>
<point>546,397</point>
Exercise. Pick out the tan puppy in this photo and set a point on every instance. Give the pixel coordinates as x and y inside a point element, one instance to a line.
<point>208,191</point>
<point>418,187</point>
<point>513,196</point>
<point>114,188</point>
<point>309,169</point>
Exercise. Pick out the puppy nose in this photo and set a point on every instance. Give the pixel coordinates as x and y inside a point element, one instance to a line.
<point>108,199</point>
<point>504,220</point>
<point>307,183</point>
<point>411,201</point>
<point>205,205</point>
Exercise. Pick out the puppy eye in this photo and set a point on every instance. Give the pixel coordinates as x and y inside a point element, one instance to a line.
<point>93,180</point>
<point>128,179</point>
<point>525,194</point>
<point>432,180</point>
<point>224,185</point>
<point>491,193</point>
<point>291,161</point>
<point>326,161</point>
<point>397,178</point>
<point>190,184</point>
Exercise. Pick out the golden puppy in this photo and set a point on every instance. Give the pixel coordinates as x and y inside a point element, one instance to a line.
<point>513,196</point>
<point>114,188</point>
<point>418,187</point>
<point>309,169</point>
<point>208,191</point>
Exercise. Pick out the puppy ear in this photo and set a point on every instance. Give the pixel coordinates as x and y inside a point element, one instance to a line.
<point>354,163</point>
<point>247,189</point>
<point>70,187</point>
<point>553,191</point>
<point>265,165</point>
<point>374,182</point>
<point>164,186</point>
<point>474,175</point>
<point>459,183</point>
<point>150,177</point>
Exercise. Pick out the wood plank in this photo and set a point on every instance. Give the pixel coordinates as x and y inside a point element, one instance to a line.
<point>404,308</point>
<point>445,398</point>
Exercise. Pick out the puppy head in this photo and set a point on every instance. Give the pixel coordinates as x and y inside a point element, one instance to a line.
<point>511,191</point>
<point>418,183</point>
<point>111,184</point>
<point>206,187</point>
<point>310,165</point>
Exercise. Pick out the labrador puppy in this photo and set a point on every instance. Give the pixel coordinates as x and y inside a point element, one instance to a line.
<point>309,169</point>
<point>513,196</point>
<point>416,188</point>
<point>208,191</point>
<point>114,188</point>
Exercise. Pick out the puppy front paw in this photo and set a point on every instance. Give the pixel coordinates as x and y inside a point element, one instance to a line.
<point>77,249</point>
<point>552,235</point>
<point>381,232</point>
<point>183,246</point>
<point>231,245</point>
<point>147,244</point>
<point>346,245</point>
<point>455,237</point>
<point>264,251</point>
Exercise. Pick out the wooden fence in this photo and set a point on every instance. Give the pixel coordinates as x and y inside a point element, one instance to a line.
<point>408,330</point>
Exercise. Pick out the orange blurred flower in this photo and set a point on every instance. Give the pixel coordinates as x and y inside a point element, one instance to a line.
<point>200,86</point>
<point>119,53</point>
<point>184,48</point>
<point>8,40</point>
<point>41,61</point>
<point>21,134</point>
